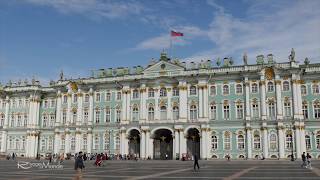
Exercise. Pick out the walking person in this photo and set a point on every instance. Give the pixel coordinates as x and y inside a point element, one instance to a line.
<point>78,166</point>
<point>304,159</point>
<point>309,161</point>
<point>196,163</point>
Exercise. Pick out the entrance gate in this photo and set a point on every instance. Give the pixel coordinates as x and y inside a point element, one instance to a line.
<point>163,144</point>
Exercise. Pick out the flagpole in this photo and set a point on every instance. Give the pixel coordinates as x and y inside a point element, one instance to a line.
<point>171,52</point>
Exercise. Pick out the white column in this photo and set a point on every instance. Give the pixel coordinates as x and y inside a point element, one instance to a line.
<point>295,100</point>
<point>208,143</point>
<point>263,99</point>
<point>177,142</point>
<point>143,145</point>
<point>148,153</point>
<point>200,95</point>
<point>303,147</point>
<point>281,142</point>
<point>67,143</point>
<point>90,113</point>
<point>183,101</point>
<point>37,112</point>
<point>143,104</point>
<point>126,144</point>
<point>247,95</point>
<point>89,142</point>
<point>121,142</point>
<point>205,102</point>
<point>278,99</point>
<point>169,109</point>
<point>156,105</point>
<point>4,141</point>
<point>80,108</point>
<point>69,114</point>
<point>183,143</point>
<point>299,98</point>
<point>124,105</point>
<point>128,109</point>
<point>78,141</point>
<point>150,150</point>
<point>265,143</point>
<point>204,141</point>
<point>56,142</point>
<point>297,141</point>
<point>6,118</point>
<point>249,143</point>
<point>58,110</point>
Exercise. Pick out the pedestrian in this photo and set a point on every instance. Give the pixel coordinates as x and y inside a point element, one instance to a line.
<point>309,161</point>
<point>13,156</point>
<point>50,158</point>
<point>228,157</point>
<point>196,163</point>
<point>85,157</point>
<point>61,158</point>
<point>303,157</point>
<point>78,166</point>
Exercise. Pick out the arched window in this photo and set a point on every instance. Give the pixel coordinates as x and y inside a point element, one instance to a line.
<point>270,87</point>
<point>135,94</point>
<point>175,91</point>
<point>98,97</point>
<point>45,120</point>
<point>289,141</point>
<point>226,110</point>
<point>273,141</point>
<point>65,99</point>
<point>151,92</point>
<point>193,90</point>
<point>135,113</point>
<point>74,116</point>
<point>163,92</point>
<point>97,114</point>
<point>193,112</point>
<point>256,142</point>
<point>118,96</point>
<point>151,113</point>
<point>213,111</point>
<point>225,89</point>
<point>254,88</point>
<point>285,86</point>
<point>108,114</point>
<point>163,112</point>
<point>308,142</point>
<point>240,142</point>
<point>287,109</point>
<point>118,114</point>
<point>303,90</point>
<point>86,98</point>
<point>175,111</point>
<point>227,141</point>
<point>84,142</point>
<point>271,109</point>
<point>108,96</point>
<point>2,117</point>
<point>316,109</point>
<point>73,143</point>
<point>239,89</point>
<point>214,142</point>
<point>315,89</point>
<point>75,98</point>
<point>213,90</point>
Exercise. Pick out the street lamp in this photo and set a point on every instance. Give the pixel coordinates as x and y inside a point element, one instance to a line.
<point>291,129</point>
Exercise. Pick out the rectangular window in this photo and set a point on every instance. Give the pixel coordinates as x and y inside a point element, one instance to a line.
<point>118,96</point>
<point>97,116</point>
<point>226,111</point>
<point>255,110</point>
<point>175,92</point>
<point>108,96</point>
<point>86,116</point>
<point>213,112</point>
<point>239,112</point>
<point>108,116</point>
<point>305,111</point>
<point>317,111</point>
<point>287,109</point>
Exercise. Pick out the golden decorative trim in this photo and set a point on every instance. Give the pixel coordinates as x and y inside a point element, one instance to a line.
<point>278,82</point>
<point>80,94</point>
<point>225,82</point>
<point>183,87</point>
<point>262,82</point>
<point>285,77</point>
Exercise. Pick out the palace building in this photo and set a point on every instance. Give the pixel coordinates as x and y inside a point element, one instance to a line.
<point>169,108</point>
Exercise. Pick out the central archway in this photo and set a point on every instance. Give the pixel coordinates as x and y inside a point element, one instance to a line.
<point>162,144</point>
<point>193,142</point>
<point>134,142</point>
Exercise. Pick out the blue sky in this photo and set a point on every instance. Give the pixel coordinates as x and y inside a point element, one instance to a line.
<point>41,37</point>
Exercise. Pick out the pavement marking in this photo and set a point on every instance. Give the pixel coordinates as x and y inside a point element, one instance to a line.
<point>316,171</point>
<point>158,174</point>
<point>238,174</point>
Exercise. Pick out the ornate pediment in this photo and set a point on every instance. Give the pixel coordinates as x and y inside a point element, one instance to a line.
<point>163,66</point>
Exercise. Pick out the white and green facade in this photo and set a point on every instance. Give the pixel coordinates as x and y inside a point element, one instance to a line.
<point>168,107</point>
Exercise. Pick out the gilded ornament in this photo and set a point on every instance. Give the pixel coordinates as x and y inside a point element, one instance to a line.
<point>269,73</point>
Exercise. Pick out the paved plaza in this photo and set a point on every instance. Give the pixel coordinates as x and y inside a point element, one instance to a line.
<point>132,170</point>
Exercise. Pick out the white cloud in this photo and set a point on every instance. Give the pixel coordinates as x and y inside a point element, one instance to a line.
<point>93,8</point>
<point>287,25</point>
